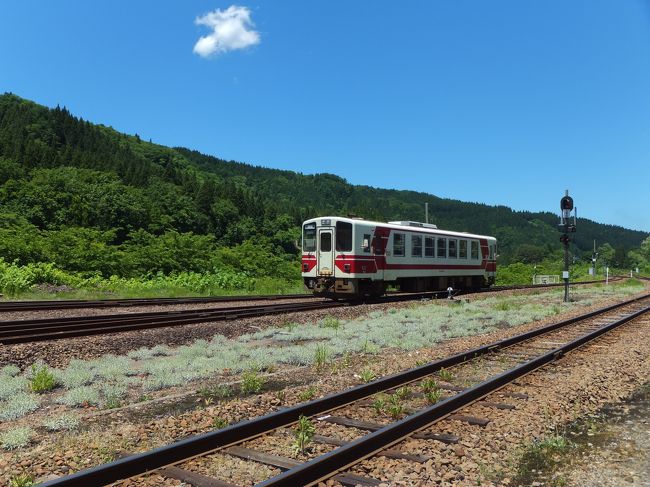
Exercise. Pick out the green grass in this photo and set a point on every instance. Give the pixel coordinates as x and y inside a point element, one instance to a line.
<point>308,394</point>
<point>320,357</point>
<point>219,423</point>
<point>22,282</point>
<point>22,480</point>
<point>367,375</point>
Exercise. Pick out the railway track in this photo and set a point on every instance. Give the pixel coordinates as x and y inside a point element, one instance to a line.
<point>35,330</point>
<point>426,395</point>
<point>113,303</point>
<point>43,305</point>
<point>25,331</point>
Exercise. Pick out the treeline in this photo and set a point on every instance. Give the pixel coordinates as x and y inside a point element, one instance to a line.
<point>93,200</point>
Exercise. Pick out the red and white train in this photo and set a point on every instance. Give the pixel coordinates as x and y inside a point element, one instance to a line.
<point>347,257</point>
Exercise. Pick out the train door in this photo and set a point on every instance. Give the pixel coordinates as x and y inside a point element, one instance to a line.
<point>379,244</point>
<point>325,252</point>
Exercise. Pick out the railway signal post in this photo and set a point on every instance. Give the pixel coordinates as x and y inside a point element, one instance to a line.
<point>566,226</point>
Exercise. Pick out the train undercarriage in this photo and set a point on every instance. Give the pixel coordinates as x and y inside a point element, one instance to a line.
<point>332,287</point>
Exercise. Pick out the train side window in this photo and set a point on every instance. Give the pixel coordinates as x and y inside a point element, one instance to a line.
<point>343,237</point>
<point>462,249</point>
<point>416,245</point>
<point>442,248</point>
<point>429,247</point>
<point>398,244</point>
<point>365,243</point>
<point>474,249</point>
<point>452,248</point>
<point>326,241</point>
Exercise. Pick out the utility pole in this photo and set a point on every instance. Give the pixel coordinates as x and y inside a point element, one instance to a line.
<point>566,227</point>
<point>426,213</point>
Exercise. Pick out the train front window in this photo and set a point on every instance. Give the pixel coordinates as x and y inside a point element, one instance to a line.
<point>343,237</point>
<point>309,237</point>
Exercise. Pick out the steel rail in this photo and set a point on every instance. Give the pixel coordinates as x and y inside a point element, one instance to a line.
<point>347,455</point>
<point>205,443</point>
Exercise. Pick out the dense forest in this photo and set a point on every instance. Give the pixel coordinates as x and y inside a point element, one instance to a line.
<point>96,202</point>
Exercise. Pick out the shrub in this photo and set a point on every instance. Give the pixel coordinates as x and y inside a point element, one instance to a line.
<point>433,396</point>
<point>16,438</point>
<point>64,422</point>
<point>17,406</point>
<point>251,382</point>
<point>113,393</point>
<point>9,371</point>
<point>379,403</point>
<point>331,322</point>
<point>80,396</point>
<point>76,375</point>
<point>403,392</point>
<point>42,379</point>
<point>10,386</point>
<point>395,407</point>
<point>304,434</point>
<point>429,384</point>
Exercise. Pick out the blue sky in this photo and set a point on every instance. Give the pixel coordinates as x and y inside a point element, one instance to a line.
<point>502,102</point>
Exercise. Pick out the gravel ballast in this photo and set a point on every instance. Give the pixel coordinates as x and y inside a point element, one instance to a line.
<point>575,385</point>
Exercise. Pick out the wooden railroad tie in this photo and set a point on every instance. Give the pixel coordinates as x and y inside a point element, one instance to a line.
<point>368,426</point>
<point>285,463</point>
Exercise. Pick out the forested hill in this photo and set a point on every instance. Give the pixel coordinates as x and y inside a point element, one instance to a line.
<point>93,199</point>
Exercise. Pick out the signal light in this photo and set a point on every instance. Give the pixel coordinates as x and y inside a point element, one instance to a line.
<point>566,203</point>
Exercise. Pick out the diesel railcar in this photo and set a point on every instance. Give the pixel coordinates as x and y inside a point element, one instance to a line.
<point>352,257</point>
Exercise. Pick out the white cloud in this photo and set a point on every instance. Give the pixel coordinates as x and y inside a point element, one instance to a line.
<point>231,29</point>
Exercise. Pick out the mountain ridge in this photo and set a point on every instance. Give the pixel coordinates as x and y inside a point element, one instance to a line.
<point>59,172</point>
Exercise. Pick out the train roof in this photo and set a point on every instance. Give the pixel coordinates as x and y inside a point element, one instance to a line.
<point>405,225</point>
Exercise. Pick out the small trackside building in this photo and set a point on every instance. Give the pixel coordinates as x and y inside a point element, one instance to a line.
<point>355,257</point>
